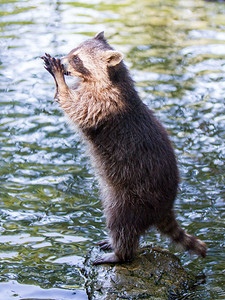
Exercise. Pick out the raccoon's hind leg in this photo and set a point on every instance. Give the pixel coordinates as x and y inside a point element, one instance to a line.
<point>105,245</point>
<point>169,226</point>
<point>124,243</point>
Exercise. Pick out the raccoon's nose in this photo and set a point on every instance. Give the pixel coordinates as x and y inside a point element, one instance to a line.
<point>65,64</point>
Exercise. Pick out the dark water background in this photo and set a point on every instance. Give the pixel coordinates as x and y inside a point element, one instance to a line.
<point>50,212</point>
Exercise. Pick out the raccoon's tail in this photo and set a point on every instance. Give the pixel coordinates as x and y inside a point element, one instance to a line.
<point>169,226</point>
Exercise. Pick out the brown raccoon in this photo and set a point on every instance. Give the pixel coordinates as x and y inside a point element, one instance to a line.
<point>131,150</point>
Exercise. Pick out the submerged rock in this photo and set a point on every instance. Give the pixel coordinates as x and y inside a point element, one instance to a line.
<point>154,274</point>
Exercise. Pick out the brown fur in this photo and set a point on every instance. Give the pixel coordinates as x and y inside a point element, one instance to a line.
<point>131,150</point>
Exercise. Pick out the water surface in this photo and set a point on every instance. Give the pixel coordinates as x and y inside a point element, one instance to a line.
<point>50,211</point>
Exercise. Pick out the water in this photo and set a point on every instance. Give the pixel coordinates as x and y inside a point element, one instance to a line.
<point>50,212</point>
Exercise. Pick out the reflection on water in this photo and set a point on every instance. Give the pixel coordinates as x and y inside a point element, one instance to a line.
<point>14,290</point>
<point>49,205</point>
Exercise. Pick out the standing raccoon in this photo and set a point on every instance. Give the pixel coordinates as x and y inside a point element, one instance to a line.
<point>131,151</point>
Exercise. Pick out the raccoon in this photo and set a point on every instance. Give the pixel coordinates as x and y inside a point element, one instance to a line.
<point>130,149</point>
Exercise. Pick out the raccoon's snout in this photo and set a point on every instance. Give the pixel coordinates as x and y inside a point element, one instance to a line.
<point>65,64</point>
<point>66,73</point>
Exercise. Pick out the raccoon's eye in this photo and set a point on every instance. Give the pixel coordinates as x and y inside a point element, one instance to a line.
<point>76,58</point>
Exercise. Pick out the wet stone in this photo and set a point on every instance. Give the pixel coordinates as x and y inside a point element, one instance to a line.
<point>154,274</point>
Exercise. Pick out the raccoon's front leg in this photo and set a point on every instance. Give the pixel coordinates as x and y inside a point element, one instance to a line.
<point>55,68</point>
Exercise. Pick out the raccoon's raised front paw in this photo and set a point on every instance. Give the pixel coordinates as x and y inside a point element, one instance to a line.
<point>53,65</point>
<point>105,245</point>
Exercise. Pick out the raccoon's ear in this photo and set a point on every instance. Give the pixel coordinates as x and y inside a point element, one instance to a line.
<point>100,36</point>
<point>113,58</point>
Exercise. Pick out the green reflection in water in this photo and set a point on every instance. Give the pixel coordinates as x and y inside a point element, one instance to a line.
<point>49,204</point>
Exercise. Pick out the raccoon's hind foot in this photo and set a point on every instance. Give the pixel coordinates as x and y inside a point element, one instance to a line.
<point>105,245</point>
<point>110,258</point>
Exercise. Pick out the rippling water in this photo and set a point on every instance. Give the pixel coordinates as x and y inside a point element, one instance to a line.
<point>50,212</point>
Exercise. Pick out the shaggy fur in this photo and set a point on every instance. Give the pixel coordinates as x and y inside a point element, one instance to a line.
<point>131,150</point>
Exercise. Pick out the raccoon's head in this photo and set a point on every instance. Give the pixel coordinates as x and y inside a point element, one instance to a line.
<point>93,60</point>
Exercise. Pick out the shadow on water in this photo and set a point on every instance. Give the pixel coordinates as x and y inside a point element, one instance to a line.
<point>50,210</point>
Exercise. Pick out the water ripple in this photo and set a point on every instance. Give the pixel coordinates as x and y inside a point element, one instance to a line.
<point>49,202</point>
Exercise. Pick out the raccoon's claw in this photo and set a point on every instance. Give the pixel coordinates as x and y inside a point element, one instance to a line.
<point>110,258</point>
<point>52,65</point>
<point>47,66</point>
<point>105,245</point>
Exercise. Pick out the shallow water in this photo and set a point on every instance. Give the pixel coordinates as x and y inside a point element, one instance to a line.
<point>50,212</point>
